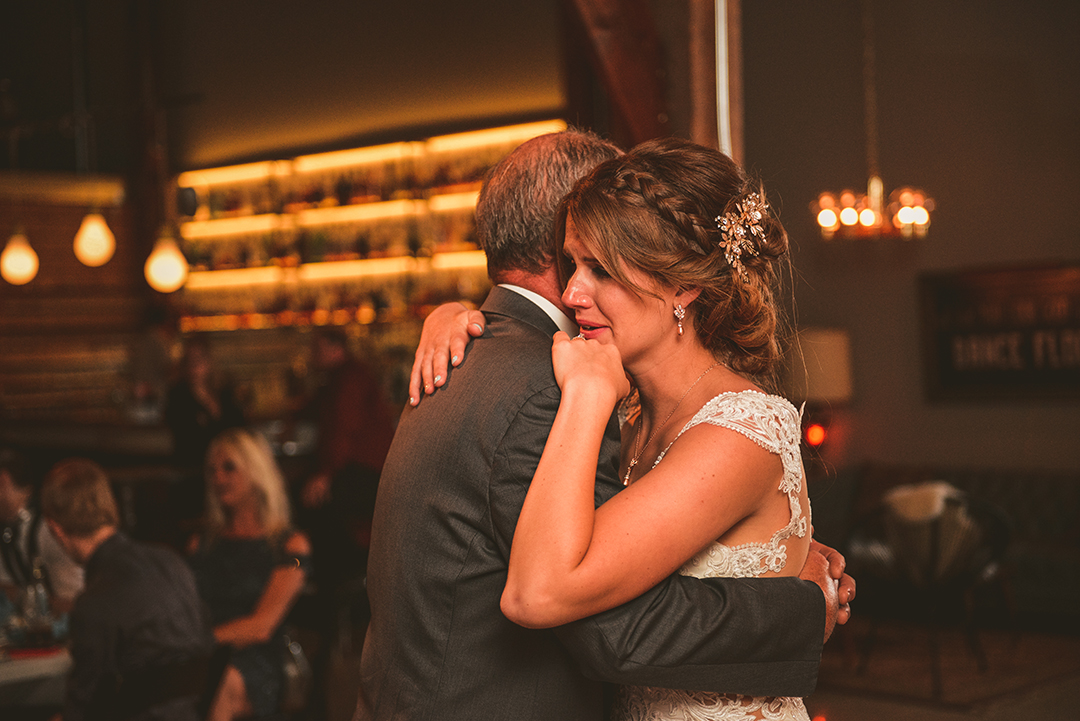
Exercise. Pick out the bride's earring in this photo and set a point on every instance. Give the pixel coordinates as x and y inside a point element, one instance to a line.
<point>680,313</point>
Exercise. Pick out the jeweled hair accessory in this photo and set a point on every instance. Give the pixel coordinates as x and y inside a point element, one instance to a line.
<point>738,230</point>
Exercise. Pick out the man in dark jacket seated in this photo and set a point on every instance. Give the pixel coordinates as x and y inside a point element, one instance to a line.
<point>139,636</point>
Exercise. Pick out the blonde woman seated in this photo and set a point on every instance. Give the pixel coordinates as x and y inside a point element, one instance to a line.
<point>250,566</point>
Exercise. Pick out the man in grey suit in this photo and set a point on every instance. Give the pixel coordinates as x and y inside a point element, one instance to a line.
<point>438,646</point>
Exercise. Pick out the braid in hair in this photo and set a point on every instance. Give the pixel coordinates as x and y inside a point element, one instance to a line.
<point>669,205</point>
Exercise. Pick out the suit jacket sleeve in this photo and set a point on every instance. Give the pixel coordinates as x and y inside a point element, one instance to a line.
<point>760,637</point>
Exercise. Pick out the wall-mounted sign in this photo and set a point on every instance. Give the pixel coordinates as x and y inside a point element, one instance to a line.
<point>1008,333</point>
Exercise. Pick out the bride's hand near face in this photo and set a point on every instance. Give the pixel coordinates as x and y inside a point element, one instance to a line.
<point>589,366</point>
<point>592,380</point>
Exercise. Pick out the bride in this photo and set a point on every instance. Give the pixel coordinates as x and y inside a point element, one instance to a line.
<point>669,256</point>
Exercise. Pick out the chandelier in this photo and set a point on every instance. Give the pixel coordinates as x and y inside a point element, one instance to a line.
<point>853,214</point>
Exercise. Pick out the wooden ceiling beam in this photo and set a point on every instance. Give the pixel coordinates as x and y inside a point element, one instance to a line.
<point>626,53</point>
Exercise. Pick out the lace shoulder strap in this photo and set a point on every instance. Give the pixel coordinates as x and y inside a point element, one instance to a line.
<point>770,421</point>
<point>774,424</point>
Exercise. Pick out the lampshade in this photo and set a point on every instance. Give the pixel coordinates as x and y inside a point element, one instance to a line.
<point>166,269</point>
<point>18,262</point>
<point>94,243</point>
<point>818,366</point>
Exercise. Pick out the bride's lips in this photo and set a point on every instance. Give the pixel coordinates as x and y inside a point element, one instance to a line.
<point>590,331</point>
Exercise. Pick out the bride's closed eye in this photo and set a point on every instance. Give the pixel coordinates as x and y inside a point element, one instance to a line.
<point>592,266</point>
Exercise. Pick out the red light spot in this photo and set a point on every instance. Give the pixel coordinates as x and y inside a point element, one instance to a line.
<point>815,434</point>
<point>819,718</point>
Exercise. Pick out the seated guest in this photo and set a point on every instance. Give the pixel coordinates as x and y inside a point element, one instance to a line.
<point>29,552</point>
<point>139,611</point>
<point>250,565</point>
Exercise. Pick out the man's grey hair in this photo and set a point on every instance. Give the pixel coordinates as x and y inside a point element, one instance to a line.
<point>515,214</point>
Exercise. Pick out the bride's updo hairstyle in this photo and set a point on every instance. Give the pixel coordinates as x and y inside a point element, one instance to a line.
<point>658,209</point>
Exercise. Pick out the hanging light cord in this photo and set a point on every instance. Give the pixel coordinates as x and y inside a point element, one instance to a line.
<point>869,91</point>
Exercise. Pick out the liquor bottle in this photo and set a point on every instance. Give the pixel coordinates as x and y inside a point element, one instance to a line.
<point>35,609</point>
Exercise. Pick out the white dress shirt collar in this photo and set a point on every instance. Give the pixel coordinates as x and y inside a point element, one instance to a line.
<point>565,324</point>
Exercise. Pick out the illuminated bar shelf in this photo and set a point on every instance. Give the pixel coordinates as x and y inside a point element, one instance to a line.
<point>315,217</point>
<point>353,236</point>
<point>334,270</point>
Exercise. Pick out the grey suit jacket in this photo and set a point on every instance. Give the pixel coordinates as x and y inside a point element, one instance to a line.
<point>438,646</point>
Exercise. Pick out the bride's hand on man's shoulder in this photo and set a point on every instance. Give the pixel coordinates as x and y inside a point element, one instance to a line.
<point>446,332</point>
<point>596,365</point>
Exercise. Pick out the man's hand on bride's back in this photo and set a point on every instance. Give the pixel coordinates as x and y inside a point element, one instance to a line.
<point>816,569</point>
<point>846,584</point>
<point>825,567</point>
<point>447,330</point>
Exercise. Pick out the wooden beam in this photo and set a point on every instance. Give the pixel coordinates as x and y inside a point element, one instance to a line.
<point>627,57</point>
<point>702,51</point>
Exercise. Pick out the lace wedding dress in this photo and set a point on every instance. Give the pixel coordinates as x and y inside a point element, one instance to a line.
<point>773,423</point>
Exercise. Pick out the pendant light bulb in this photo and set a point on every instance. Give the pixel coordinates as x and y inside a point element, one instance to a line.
<point>18,262</point>
<point>94,243</point>
<point>166,269</point>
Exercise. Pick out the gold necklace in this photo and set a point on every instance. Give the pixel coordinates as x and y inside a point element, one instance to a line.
<point>637,436</point>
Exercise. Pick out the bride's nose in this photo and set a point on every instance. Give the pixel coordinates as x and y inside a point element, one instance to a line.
<point>576,294</point>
